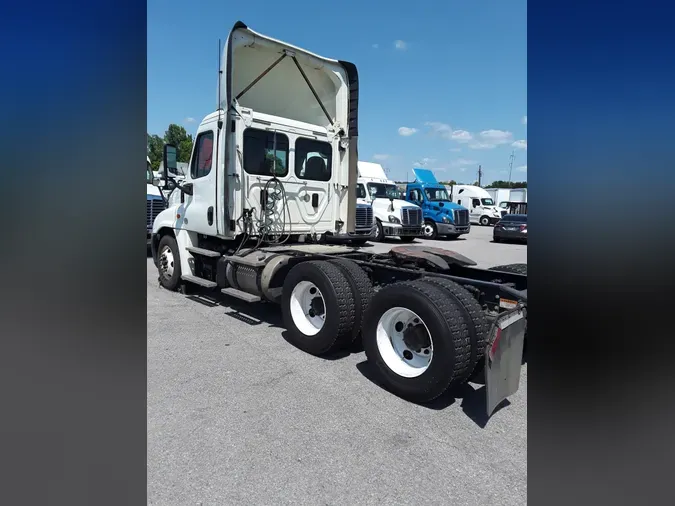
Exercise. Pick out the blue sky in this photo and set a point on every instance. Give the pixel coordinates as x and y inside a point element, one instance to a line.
<point>442,87</point>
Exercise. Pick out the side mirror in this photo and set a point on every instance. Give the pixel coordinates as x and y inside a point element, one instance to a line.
<point>170,160</point>
<point>159,183</point>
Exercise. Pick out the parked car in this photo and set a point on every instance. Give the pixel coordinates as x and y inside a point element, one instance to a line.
<point>512,227</point>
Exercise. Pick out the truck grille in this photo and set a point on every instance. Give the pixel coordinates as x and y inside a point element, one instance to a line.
<point>411,216</point>
<point>154,207</point>
<point>461,217</point>
<point>364,217</point>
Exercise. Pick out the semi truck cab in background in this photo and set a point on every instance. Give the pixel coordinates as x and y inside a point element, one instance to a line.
<point>481,205</point>
<point>154,201</point>
<point>441,215</point>
<point>395,216</point>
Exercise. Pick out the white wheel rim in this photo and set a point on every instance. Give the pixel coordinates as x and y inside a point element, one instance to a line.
<point>428,230</point>
<point>308,308</point>
<point>166,262</point>
<point>397,350</point>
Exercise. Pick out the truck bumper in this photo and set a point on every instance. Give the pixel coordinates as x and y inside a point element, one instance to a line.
<point>450,229</point>
<point>392,229</point>
<point>503,356</point>
<point>359,233</point>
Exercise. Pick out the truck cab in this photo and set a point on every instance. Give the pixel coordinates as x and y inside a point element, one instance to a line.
<point>441,216</point>
<point>481,205</point>
<point>395,217</point>
<point>154,200</point>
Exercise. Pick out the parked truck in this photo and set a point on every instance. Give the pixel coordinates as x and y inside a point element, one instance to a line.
<point>394,216</point>
<point>441,215</point>
<point>154,200</point>
<point>481,205</point>
<point>273,176</point>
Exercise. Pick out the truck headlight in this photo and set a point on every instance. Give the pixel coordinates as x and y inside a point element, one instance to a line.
<point>393,219</point>
<point>446,219</point>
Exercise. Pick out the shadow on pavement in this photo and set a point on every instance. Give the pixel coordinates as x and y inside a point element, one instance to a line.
<point>473,400</point>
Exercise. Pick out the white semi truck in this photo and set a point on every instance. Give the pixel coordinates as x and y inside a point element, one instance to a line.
<point>395,217</point>
<point>273,175</point>
<point>154,200</point>
<point>481,205</point>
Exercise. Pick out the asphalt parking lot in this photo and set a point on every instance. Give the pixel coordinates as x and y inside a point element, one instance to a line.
<point>236,415</point>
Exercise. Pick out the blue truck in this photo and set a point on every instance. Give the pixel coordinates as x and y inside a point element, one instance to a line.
<point>441,215</point>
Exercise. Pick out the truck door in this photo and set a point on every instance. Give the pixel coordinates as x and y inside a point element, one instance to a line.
<point>199,214</point>
<point>310,183</point>
<point>475,211</point>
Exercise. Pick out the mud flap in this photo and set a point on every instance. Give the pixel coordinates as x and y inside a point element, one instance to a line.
<point>503,357</point>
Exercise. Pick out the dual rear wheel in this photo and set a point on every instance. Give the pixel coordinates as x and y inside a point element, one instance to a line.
<point>422,336</point>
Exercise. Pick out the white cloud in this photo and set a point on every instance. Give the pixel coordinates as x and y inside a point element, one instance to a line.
<point>463,161</point>
<point>380,157</point>
<point>482,145</point>
<point>190,120</point>
<point>496,137</point>
<point>520,144</point>
<point>406,132</point>
<point>522,168</point>
<point>401,45</point>
<point>524,120</point>
<point>375,46</point>
<point>461,136</point>
<point>424,162</point>
<point>455,150</point>
<point>441,129</point>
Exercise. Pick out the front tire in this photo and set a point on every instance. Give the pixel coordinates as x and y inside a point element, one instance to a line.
<point>484,220</point>
<point>430,230</point>
<point>379,237</point>
<point>168,263</point>
<point>317,306</point>
<point>417,339</point>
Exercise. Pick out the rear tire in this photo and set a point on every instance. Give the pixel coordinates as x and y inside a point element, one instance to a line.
<point>474,317</point>
<point>168,263</point>
<point>302,311</point>
<point>441,330</point>
<point>362,290</point>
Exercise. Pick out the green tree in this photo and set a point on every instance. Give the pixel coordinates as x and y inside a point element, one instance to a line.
<point>177,136</point>
<point>155,150</point>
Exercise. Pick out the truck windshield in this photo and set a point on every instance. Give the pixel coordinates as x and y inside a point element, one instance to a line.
<point>360,191</point>
<point>383,191</point>
<point>488,202</point>
<point>436,194</point>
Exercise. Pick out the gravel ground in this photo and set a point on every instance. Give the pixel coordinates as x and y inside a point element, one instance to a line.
<point>236,415</point>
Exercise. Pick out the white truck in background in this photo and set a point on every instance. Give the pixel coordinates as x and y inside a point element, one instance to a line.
<point>258,205</point>
<point>509,200</point>
<point>154,200</point>
<point>395,217</point>
<point>481,205</point>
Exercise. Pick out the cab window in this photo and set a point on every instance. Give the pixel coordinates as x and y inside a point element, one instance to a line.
<point>360,191</point>
<point>313,159</point>
<point>476,203</point>
<point>265,153</point>
<point>203,154</point>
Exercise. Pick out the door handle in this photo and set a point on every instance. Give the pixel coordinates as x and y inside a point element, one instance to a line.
<point>315,200</point>
<point>209,215</point>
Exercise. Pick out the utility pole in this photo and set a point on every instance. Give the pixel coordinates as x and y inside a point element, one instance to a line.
<point>512,157</point>
<point>480,174</point>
